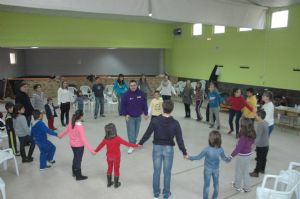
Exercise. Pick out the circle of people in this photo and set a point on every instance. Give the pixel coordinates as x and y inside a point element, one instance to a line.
<point>132,104</point>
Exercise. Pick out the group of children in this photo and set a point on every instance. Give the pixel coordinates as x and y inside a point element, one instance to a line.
<point>16,125</point>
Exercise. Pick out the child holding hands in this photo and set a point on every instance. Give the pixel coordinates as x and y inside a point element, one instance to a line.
<point>78,141</point>
<point>212,154</point>
<point>113,154</point>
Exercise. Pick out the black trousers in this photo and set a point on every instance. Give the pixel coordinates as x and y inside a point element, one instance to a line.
<point>24,141</point>
<point>187,108</point>
<point>64,112</point>
<point>77,159</point>
<point>166,97</point>
<point>28,119</point>
<point>238,115</point>
<point>261,155</point>
<point>12,141</point>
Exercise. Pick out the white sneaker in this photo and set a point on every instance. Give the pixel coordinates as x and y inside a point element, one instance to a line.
<point>130,150</point>
<point>155,198</point>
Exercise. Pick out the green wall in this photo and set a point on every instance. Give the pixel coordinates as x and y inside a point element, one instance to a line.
<point>23,29</point>
<point>271,54</point>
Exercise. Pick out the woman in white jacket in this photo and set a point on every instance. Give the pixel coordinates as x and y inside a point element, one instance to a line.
<point>166,88</point>
<point>64,101</point>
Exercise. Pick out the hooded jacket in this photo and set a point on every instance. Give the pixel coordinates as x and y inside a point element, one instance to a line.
<point>165,130</point>
<point>39,132</point>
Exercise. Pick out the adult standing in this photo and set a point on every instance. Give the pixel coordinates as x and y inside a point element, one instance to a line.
<point>165,129</point>
<point>268,107</point>
<point>120,87</point>
<point>166,89</point>
<point>134,104</point>
<point>23,98</point>
<point>251,101</point>
<point>237,103</point>
<point>144,86</point>
<point>187,98</point>
<point>64,101</point>
<point>38,98</point>
<point>98,90</point>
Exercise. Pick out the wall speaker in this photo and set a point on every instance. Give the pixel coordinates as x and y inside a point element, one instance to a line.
<point>177,31</point>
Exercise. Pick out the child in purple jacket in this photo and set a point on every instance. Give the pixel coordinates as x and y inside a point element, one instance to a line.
<point>243,151</point>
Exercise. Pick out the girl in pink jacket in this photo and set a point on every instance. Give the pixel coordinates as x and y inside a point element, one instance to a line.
<point>78,141</point>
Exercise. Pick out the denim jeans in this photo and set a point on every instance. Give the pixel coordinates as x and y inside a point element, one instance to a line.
<point>162,156</point>
<point>99,103</point>
<point>271,128</point>
<point>208,173</point>
<point>119,103</point>
<point>133,126</point>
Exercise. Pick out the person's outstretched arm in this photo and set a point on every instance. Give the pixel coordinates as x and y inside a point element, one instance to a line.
<point>100,146</point>
<point>123,142</point>
<point>223,156</point>
<point>148,133</point>
<point>84,140</point>
<point>199,156</point>
<point>179,139</point>
<point>47,130</point>
<point>65,132</point>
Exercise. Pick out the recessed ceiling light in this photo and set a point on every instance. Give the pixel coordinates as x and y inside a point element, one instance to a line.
<point>150,14</point>
<point>34,47</point>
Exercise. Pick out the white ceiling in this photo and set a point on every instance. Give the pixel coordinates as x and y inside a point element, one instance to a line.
<point>238,13</point>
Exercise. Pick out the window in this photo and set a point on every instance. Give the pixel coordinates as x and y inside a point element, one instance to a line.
<point>12,58</point>
<point>197,29</point>
<point>219,29</point>
<point>280,19</point>
<point>245,29</point>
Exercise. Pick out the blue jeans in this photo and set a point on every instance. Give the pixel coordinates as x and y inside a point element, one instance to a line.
<point>162,156</point>
<point>208,173</point>
<point>271,128</point>
<point>119,103</point>
<point>238,115</point>
<point>133,126</point>
<point>47,151</point>
<point>99,102</point>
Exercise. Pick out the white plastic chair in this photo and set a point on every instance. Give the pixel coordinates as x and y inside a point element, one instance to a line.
<point>293,181</point>
<point>7,154</point>
<point>109,90</point>
<point>193,84</point>
<point>3,136</point>
<point>86,91</point>
<point>112,102</point>
<point>283,180</point>
<point>2,188</point>
<point>73,92</point>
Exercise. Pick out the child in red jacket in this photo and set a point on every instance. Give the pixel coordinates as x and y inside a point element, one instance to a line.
<point>113,154</point>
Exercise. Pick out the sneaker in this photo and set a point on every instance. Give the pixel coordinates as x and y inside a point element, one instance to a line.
<point>263,172</point>
<point>218,128</point>
<point>18,154</point>
<point>229,132</point>
<point>235,187</point>
<point>254,174</point>
<point>155,198</point>
<point>130,150</point>
<point>47,167</point>
<point>102,115</point>
<point>169,195</point>
<point>52,161</point>
<point>211,126</point>
<point>245,190</point>
<point>95,117</point>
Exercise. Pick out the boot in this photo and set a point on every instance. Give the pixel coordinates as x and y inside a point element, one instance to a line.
<point>109,181</point>
<point>79,176</point>
<point>73,172</point>
<point>117,183</point>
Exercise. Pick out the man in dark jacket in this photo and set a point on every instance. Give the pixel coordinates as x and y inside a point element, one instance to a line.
<point>134,104</point>
<point>165,129</point>
<point>23,98</point>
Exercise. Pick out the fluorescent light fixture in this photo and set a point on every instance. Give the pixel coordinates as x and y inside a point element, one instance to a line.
<point>12,58</point>
<point>219,29</point>
<point>197,29</point>
<point>34,47</point>
<point>280,19</point>
<point>245,29</point>
<point>208,39</point>
<point>111,48</point>
<point>150,14</point>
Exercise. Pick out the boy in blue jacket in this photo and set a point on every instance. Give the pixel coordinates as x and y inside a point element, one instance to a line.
<point>39,133</point>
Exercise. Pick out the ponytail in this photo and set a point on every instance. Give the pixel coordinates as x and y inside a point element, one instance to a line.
<point>76,116</point>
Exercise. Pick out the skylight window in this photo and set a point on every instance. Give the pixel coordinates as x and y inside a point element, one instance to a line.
<point>197,29</point>
<point>280,19</point>
<point>219,29</point>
